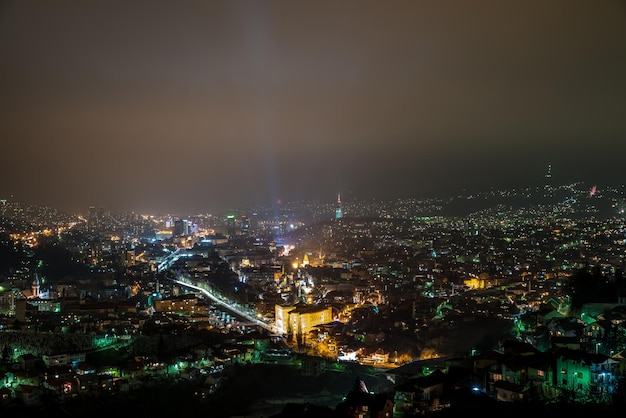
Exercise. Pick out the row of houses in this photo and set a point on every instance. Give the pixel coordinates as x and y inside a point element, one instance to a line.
<point>517,373</point>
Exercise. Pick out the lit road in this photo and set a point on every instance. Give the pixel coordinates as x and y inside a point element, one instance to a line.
<point>230,307</point>
<point>167,263</point>
<point>169,260</point>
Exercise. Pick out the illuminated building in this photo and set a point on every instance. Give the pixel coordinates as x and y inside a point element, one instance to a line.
<point>163,234</point>
<point>187,304</point>
<point>245,225</point>
<point>583,373</point>
<point>95,217</point>
<point>230,226</point>
<point>301,318</point>
<point>92,217</point>
<point>181,228</point>
<point>128,257</point>
<point>338,208</point>
<point>35,287</point>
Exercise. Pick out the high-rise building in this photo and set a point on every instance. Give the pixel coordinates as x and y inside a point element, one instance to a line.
<point>245,225</point>
<point>181,228</point>
<point>338,208</point>
<point>92,217</point>
<point>96,216</point>
<point>230,226</point>
<point>128,257</point>
<point>100,214</point>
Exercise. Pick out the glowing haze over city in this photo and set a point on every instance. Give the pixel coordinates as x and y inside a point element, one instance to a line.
<point>193,106</point>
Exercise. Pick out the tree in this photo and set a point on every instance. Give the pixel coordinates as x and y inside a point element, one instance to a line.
<point>7,354</point>
<point>587,286</point>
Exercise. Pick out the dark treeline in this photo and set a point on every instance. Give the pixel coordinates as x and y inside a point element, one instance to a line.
<point>595,286</point>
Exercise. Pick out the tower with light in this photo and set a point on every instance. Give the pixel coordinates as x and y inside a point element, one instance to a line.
<point>338,208</point>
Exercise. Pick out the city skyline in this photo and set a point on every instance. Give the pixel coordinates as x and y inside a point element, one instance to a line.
<point>194,106</point>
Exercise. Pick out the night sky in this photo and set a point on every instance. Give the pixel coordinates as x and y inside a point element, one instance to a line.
<point>183,106</point>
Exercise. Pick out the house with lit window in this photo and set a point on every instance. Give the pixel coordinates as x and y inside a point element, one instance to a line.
<point>521,373</point>
<point>60,381</point>
<point>597,330</point>
<point>187,304</point>
<point>63,359</point>
<point>419,395</point>
<point>585,376</point>
<point>61,387</point>
<point>506,391</point>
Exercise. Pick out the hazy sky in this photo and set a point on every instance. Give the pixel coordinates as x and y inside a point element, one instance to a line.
<point>195,106</point>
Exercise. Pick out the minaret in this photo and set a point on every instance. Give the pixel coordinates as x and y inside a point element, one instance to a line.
<point>35,286</point>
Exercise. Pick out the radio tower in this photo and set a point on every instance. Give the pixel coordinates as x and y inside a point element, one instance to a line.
<point>548,185</point>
